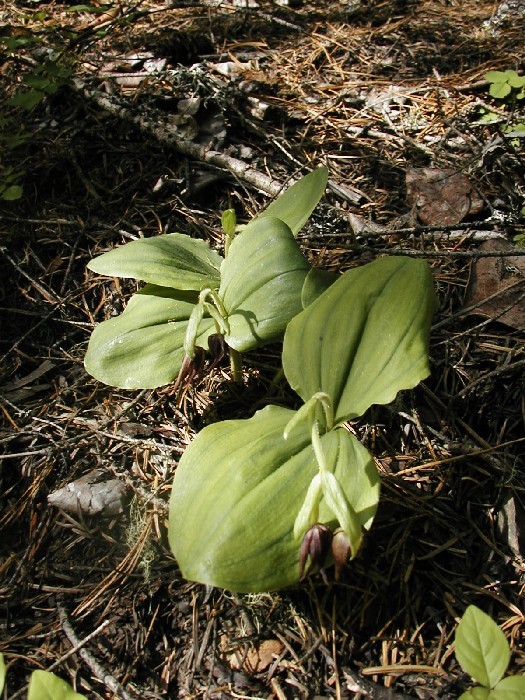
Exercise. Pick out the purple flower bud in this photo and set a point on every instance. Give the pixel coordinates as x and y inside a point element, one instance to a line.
<point>315,544</point>
<point>191,369</point>
<point>340,550</point>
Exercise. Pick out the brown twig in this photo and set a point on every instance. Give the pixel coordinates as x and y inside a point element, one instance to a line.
<point>152,122</point>
<point>94,666</point>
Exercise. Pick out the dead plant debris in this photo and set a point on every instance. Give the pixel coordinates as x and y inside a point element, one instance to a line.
<point>217,105</point>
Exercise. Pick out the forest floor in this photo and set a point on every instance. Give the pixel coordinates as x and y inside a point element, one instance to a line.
<point>117,109</point>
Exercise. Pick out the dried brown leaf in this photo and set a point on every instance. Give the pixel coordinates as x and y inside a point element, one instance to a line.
<point>92,494</point>
<point>498,278</point>
<point>441,196</point>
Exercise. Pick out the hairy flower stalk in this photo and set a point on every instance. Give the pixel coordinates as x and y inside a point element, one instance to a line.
<point>208,301</point>
<point>325,483</point>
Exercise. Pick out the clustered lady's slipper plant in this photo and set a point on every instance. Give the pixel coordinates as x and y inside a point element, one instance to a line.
<point>193,293</point>
<point>257,503</point>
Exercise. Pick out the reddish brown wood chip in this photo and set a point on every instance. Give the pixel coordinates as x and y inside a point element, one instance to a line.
<point>441,196</point>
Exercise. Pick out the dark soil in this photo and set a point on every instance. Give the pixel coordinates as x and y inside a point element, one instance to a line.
<point>100,600</point>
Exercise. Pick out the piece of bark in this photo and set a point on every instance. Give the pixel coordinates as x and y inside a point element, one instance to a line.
<point>500,280</point>
<point>92,494</point>
<point>441,196</point>
<point>511,526</point>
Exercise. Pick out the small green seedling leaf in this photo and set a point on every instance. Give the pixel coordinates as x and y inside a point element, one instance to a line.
<point>261,282</point>
<point>170,260</point>
<point>26,99</point>
<point>510,688</point>
<point>12,193</point>
<point>229,222</point>
<point>477,693</point>
<point>2,672</point>
<point>13,43</point>
<point>143,348</point>
<point>500,90</point>
<point>503,82</point>
<point>238,489</point>
<point>490,117</point>
<point>496,76</point>
<point>481,647</point>
<point>515,80</point>
<point>46,686</point>
<point>365,338</point>
<point>38,82</point>
<point>295,204</point>
<point>82,8</point>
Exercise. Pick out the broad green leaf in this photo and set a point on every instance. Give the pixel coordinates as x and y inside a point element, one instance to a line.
<point>46,686</point>
<point>170,260</point>
<point>295,204</point>
<point>317,281</point>
<point>261,283</point>
<point>144,347</point>
<point>510,688</point>
<point>365,338</point>
<point>238,490</point>
<point>2,672</point>
<point>481,647</point>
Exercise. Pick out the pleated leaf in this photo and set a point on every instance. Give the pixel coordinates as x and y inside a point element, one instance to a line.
<point>481,647</point>
<point>365,338</point>
<point>238,489</point>
<point>170,260</point>
<point>261,283</point>
<point>295,204</point>
<point>143,348</point>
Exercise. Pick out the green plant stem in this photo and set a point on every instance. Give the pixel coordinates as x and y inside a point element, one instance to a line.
<point>227,242</point>
<point>318,449</point>
<point>328,409</point>
<point>236,365</point>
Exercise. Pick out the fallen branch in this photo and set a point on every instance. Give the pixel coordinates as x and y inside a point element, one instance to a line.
<point>154,123</point>
<point>98,671</point>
